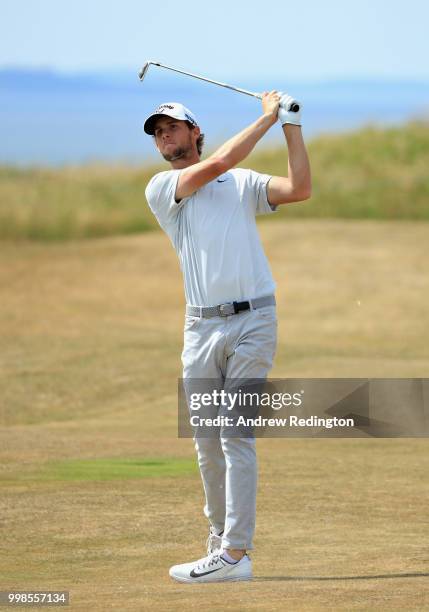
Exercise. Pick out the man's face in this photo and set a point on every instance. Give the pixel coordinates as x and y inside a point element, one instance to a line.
<point>175,139</point>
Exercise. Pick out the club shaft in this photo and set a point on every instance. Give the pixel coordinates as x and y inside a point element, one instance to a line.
<point>197,76</point>
<point>294,107</point>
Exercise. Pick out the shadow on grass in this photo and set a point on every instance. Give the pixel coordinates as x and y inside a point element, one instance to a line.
<point>325,578</point>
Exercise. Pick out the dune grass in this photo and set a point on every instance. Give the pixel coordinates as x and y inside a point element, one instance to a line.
<point>368,174</point>
<point>59,204</point>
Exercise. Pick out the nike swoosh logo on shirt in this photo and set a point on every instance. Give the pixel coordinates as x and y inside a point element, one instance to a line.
<point>221,181</point>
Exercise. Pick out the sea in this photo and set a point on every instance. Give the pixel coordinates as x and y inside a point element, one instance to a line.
<point>54,119</point>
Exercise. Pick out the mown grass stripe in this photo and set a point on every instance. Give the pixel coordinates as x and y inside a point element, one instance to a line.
<point>106,469</point>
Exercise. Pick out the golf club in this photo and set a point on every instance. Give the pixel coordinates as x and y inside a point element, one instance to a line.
<point>294,106</point>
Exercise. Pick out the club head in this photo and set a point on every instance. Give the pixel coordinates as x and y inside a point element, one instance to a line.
<point>143,71</point>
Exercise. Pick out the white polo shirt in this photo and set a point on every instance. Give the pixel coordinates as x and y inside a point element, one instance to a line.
<point>215,235</point>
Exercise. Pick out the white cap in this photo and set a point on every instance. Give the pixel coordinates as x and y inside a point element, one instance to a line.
<point>169,109</point>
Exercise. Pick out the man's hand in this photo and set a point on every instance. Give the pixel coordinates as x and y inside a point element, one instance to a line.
<point>285,115</point>
<point>270,104</point>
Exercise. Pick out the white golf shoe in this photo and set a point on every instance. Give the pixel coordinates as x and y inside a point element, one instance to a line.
<point>213,568</point>
<point>214,541</point>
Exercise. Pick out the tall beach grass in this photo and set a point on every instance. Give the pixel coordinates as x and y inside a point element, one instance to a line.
<point>372,173</point>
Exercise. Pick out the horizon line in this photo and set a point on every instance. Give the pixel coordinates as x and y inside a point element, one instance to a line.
<point>117,72</point>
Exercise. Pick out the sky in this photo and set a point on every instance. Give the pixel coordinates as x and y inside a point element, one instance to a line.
<point>305,40</point>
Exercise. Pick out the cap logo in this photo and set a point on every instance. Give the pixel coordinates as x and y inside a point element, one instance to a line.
<point>164,106</point>
<point>189,118</point>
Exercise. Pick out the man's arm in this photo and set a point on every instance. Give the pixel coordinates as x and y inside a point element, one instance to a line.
<point>297,185</point>
<point>231,153</point>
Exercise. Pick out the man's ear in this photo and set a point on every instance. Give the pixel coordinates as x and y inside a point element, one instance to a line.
<point>197,132</point>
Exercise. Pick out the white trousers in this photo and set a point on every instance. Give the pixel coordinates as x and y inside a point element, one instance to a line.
<point>239,346</point>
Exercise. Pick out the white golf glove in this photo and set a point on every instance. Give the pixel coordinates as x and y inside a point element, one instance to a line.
<point>285,115</point>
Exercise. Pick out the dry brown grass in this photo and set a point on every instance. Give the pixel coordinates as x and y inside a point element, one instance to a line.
<point>91,339</point>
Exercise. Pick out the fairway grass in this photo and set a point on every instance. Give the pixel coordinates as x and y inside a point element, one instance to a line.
<point>91,470</point>
<point>98,495</point>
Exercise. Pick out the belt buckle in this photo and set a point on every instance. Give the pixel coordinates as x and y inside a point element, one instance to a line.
<point>221,309</point>
<point>241,306</point>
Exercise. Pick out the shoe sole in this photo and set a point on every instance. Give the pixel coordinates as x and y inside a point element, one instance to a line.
<point>226,579</point>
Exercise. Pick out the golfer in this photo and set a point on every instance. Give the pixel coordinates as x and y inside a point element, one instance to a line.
<point>208,208</point>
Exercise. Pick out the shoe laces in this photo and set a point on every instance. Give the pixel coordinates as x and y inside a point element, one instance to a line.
<point>210,560</point>
<point>214,542</point>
